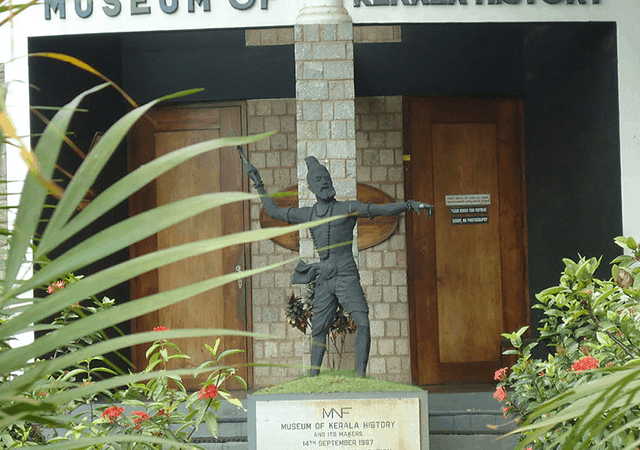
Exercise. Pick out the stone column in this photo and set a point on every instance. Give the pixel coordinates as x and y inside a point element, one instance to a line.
<point>325,99</point>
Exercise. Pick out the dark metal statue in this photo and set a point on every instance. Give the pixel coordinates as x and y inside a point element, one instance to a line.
<point>336,275</point>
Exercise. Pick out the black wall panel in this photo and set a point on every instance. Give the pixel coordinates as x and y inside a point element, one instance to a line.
<point>572,147</point>
<point>55,83</point>
<point>444,59</point>
<point>157,64</point>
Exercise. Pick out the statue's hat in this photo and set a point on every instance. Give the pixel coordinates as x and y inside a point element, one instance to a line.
<point>314,166</point>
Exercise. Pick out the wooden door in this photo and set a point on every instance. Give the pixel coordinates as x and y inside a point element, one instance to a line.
<point>164,130</point>
<point>468,266</point>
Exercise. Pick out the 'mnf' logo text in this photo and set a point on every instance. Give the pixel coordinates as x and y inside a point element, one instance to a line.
<point>332,413</point>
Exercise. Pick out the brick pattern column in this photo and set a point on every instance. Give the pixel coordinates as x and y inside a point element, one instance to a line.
<point>383,268</point>
<point>276,159</point>
<point>325,100</point>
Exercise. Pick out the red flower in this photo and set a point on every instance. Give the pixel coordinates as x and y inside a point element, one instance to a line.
<point>55,286</point>
<point>141,417</point>
<point>585,363</point>
<point>160,328</point>
<point>500,394</point>
<point>501,374</point>
<point>112,413</point>
<point>504,411</point>
<point>208,392</point>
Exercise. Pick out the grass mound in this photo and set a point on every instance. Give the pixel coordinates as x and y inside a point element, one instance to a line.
<point>335,381</point>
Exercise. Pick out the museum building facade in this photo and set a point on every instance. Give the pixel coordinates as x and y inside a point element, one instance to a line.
<point>518,119</point>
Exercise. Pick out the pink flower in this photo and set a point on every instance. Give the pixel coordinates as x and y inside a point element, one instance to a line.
<point>160,328</point>
<point>208,392</point>
<point>500,394</point>
<point>112,413</point>
<point>141,416</point>
<point>585,363</point>
<point>505,410</point>
<point>501,374</point>
<point>55,286</point>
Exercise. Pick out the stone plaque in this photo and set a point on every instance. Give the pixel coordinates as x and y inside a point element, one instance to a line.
<point>340,424</point>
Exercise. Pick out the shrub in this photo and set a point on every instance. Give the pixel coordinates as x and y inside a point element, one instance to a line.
<point>592,329</point>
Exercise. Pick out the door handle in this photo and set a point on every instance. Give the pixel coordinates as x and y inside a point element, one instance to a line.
<point>239,269</point>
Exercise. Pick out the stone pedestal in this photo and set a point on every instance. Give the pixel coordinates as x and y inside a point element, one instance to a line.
<point>354,421</point>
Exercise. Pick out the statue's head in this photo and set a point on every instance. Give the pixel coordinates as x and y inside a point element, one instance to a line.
<point>319,179</point>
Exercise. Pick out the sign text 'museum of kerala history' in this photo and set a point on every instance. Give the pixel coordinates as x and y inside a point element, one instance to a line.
<point>353,424</point>
<point>114,8</point>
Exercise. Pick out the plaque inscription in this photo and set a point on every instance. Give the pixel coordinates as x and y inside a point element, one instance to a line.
<point>345,424</point>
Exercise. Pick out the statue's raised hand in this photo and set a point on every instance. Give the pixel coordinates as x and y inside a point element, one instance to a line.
<point>419,206</point>
<point>253,173</point>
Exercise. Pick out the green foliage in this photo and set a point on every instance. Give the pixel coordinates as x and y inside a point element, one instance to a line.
<point>592,328</point>
<point>26,369</point>
<point>160,407</point>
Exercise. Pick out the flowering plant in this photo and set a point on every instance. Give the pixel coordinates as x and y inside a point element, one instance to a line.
<point>160,407</point>
<point>592,328</point>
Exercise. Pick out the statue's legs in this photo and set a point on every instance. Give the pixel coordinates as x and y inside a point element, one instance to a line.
<point>351,296</point>
<point>318,347</point>
<point>363,341</point>
<point>346,288</point>
<point>324,310</point>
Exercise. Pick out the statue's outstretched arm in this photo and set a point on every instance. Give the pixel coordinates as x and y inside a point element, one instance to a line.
<point>289,215</point>
<point>391,209</point>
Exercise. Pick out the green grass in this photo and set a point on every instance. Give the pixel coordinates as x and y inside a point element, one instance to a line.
<point>335,381</point>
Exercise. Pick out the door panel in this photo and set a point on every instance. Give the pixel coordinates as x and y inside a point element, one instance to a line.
<point>469,301</point>
<point>467,272</point>
<point>165,130</point>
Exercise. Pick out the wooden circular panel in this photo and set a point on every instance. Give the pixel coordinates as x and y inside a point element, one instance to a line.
<point>370,231</point>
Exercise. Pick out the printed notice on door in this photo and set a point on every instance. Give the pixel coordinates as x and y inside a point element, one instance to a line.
<point>345,424</point>
<point>467,200</point>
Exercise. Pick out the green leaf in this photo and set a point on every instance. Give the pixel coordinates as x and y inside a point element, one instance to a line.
<point>126,233</point>
<point>115,275</point>
<point>215,347</point>
<point>88,171</point>
<point>33,193</point>
<point>241,381</point>
<point>211,422</point>
<point>123,188</point>
<point>552,291</point>
<point>152,349</point>
<point>10,359</point>
<point>230,352</point>
<point>511,352</point>
<point>631,243</point>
